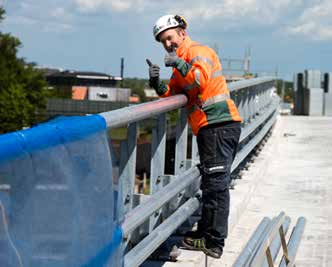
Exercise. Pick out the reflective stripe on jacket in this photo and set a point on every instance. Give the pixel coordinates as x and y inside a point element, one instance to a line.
<point>208,97</point>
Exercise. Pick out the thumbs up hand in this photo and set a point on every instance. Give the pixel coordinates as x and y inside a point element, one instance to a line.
<point>171,59</point>
<point>154,73</point>
<point>154,70</point>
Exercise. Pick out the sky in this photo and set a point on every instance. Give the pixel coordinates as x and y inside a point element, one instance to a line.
<point>284,36</point>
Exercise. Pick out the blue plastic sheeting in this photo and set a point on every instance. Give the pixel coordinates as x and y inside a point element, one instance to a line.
<point>57,196</point>
<point>58,131</point>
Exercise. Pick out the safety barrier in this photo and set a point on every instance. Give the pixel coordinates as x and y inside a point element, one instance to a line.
<point>63,183</point>
<point>264,244</point>
<point>172,198</point>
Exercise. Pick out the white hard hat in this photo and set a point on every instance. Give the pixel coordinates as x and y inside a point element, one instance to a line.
<point>168,22</point>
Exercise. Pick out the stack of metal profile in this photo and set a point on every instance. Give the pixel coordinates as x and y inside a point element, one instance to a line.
<point>313,102</point>
<point>327,94</point>
<point>298,94</point>
<point>309,94</point>
<point>314,94</point>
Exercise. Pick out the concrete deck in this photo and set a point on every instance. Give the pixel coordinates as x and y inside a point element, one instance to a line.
<point>293,173</point>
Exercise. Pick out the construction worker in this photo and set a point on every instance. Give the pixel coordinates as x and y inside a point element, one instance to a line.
<point>213,117</point>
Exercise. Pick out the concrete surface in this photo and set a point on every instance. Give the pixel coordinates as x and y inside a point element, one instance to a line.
<point>293,173</point>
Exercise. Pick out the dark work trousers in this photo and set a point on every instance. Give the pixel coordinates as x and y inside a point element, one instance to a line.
<point>217,146</point>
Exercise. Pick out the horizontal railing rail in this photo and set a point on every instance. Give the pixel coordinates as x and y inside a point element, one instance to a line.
<point>172,196</point>
<point>140,252</point>
<point>138,215</point>
<point>124,116</point>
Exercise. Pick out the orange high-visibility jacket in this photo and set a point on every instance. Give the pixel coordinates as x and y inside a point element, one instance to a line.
<point>208,96</point>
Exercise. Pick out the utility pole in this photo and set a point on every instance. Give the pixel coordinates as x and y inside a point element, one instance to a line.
<point>121,71</point>
<point>247,58</point>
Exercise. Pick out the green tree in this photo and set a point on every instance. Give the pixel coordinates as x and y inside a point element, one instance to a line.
<point>14,108</point>
<point>60,91</point>
<point>288,93</point>
<point>137,86</point>
<point>23,89</point>
<point>2,13</point>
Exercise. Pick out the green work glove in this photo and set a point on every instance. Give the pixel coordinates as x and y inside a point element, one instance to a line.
<point>154,73</point>
<point>172,60</point>
<point>154,80</point>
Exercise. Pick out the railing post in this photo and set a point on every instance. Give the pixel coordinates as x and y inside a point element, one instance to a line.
<point>157,168</point>
<point>256,101</point>
<point>181,142</point>
<point>251,103</point>
<point>266,98</point>
<point>158,148</point>
<point>266,95</point>
<point>239,101</point>
<point>194,150</point>
<point>246,110</point>
<point>127,168</point>
<point>259,100</point>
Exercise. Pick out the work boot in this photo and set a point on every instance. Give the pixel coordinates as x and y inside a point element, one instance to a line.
<point>190,236</point>
<point>200,244</point>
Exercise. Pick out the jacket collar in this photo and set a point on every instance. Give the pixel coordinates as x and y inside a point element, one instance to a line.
<point>183,48</point>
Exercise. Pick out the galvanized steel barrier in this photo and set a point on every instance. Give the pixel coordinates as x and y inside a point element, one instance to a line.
<point>172,198</point>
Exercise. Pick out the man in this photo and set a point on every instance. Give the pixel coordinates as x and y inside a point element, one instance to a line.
<point>213,117</point>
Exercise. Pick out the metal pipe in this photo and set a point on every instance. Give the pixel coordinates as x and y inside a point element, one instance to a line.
<point>124,116</point>
<point>273,230</point>
<point>233,86</point>
<point>294,242</point>
<point>252,244</point>
<point>143,249</point>
<point>260,241</point>
<point>137,216</point>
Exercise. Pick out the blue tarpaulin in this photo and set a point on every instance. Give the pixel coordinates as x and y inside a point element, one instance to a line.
<point>57,196</point>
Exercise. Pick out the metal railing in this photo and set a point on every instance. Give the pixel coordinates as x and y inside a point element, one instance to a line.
<point>172,198</point>
<point>264,245</point>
